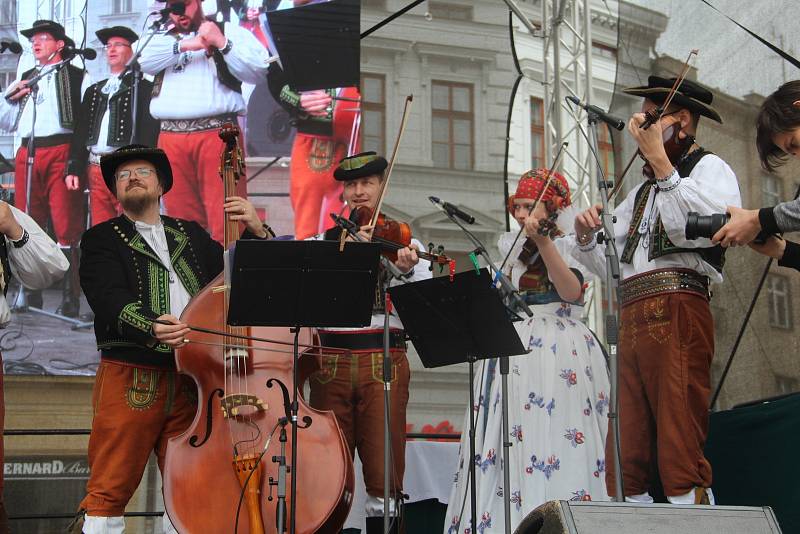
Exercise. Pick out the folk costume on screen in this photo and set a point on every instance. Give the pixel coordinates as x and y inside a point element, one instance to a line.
<point>667,331</point>
<point>57,108</point>
<point>352,384</point>
<point>194,94</point>
<point>132,273</point>
<point>320,142</point>
<point>104,123</point>
<point>558,396</point>
<point>36,261</point>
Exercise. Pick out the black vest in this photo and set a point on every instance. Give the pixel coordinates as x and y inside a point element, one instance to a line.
<point>660,243</point>
<point>68,93</point>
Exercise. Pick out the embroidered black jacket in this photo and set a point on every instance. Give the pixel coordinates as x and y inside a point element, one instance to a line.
<point>128,287</point>
<point>120,121</point>
<point>68,92</point>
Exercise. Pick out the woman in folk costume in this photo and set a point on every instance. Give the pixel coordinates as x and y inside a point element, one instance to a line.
<point>558,392</point>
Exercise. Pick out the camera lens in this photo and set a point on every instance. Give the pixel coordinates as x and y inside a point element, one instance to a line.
<point>698,226</point>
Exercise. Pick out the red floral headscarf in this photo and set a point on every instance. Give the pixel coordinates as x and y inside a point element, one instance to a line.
<point>530,187</point>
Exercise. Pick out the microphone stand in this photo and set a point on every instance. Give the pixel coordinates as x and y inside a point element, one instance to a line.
<point>611,316</point>
<point>391,271</point>
<point>515,304</point>
<point>20,302</point>
<point>136,69</point>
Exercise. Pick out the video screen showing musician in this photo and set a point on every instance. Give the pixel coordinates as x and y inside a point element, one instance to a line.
<point>199,67</point>
<point>55,108</point>
<point>139,271</point>
<point>558,392</point>
<point>327,123</point>
<point>351,385</point>
<point>105,122</point>
<point>667,331</point>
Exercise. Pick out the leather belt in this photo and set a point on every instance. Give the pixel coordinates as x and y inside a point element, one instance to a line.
<point>362,341</point>
<point>662,281</point>
<point>197,125</point>
<point>48,140</point>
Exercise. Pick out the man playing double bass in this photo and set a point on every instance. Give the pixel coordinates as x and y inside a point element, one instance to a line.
<point>139,271</point>
<point>351,385</point>
<point>667,332</point>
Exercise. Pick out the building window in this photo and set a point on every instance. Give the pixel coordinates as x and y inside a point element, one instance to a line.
<point>537,133</point>
<point>453,118</point>
<point>440,10</point>
<point>8,12</point>
<point>121,6</point>
<point>771,190</point>
<point>373,112</point>
<point>779,301</point>
<point>61,10</point>
<point>603,50</point>
<point>605,149</point>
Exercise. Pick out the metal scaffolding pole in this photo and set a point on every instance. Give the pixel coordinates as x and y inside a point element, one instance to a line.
<point>567,70</point>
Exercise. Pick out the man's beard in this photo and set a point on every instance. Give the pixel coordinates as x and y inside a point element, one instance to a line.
<point>138,204</point>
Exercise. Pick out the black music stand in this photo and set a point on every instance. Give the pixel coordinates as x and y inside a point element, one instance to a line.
<point>300,284</point>
<point>319,45</point>
<point>455,322</point>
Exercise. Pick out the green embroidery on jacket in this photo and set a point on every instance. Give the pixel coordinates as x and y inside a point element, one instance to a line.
<point>131,315</point>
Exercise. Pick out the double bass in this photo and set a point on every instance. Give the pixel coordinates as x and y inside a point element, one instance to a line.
<point>220,475</point>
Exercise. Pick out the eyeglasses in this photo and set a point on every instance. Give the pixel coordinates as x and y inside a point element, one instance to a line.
<point>42,38</point>
<point>116,45</point>
<point>141,172</point>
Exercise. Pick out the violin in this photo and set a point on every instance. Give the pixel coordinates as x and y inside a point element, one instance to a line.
<point>392,235</point>
<point>547,227</point>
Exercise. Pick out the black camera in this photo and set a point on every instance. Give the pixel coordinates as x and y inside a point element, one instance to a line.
<point>704,225</point>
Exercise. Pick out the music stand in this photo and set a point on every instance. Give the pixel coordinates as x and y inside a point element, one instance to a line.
<point>301,284</point>
<point>455,322</point>
<point>318,45</point>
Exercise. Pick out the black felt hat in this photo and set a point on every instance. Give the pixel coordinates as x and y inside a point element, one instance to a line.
<point>110,162</point>
<point>116,31</point>
<point>48,26</point>
<point>690,95</point>
<point>359,166</point>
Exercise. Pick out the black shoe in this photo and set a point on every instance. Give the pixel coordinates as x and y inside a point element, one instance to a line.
<point>69,307</point>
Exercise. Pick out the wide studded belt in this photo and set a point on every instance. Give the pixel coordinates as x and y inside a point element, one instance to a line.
<point>663,281</point>
<point>362,341</point>
<point>197,125</point>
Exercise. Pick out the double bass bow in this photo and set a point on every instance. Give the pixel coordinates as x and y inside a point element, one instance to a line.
<point>214,476</point>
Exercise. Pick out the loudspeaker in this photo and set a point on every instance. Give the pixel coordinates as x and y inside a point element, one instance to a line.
<point>567,517</point>
<point>270,132</point>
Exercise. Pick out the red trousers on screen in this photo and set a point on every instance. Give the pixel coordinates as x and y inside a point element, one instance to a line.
<point>103,203</point>
<point>313,190</point>
<point>666,347</point>
<point>136,412</point>
<point>197,189</point>
<point>50,199</point>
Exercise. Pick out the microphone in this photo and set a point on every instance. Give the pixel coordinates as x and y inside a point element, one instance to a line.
<point>453,210</point>
<point>87,53</point>
<point>12,46</point>
<point>612,121</point>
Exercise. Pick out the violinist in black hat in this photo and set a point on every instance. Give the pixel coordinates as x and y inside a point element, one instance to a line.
<point>667,332</point>
<point>105,122</point>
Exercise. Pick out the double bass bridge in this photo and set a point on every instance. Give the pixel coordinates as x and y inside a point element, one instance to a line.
<point>233,405</point>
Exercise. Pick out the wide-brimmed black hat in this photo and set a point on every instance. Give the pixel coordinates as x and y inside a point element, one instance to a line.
<point>359,166</point>
<point>690,95</point>
<point>48,26</point>
<point>110,162</point>
<point>116,31</point>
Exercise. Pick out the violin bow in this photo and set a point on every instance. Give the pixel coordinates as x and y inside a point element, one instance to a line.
<point>653,117</point>
<point>550,171</point>
<point>385,185</point>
